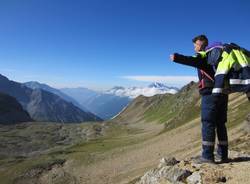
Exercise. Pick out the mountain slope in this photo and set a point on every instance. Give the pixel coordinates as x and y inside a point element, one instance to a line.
<point>43,105</point>
<point>11,111</point>
<point>182,107</point>
<point>171,109</point>
<point>45,87</point>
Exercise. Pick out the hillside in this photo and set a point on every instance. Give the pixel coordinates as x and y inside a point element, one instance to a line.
<point>11,111</point>
<point>172,110</point>
<point>178,109</point>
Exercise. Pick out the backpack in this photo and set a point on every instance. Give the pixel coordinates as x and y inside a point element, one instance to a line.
<point>215,50</point>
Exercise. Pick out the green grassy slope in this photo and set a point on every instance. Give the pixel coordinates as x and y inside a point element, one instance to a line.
<point>178,109</point>
<point>172,110</point>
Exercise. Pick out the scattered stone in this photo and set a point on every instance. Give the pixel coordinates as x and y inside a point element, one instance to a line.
<point>151,177</point>
<point>168,162</point>
<point>165,175</point>
<point>222,179</point>
<point>184,163</point>
<point>196,166</point>
<point>163,171</point>
<point>195,178</point>
<point>177,174</point>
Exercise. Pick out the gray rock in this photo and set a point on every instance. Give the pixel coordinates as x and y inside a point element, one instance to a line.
<point>195,178</point>
<point>176,174</point>
<point>171,161</point>
<point>151,177</point>
<point>196,166</point>
<point>173,174</point>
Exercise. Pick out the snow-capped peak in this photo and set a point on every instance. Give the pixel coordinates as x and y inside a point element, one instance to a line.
<point>118,88</point>
<point>133,92</point>
<point>157,85</point>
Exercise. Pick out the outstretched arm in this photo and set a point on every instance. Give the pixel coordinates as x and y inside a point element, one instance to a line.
<point>195,61</point>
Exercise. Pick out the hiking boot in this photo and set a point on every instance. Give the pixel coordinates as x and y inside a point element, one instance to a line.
<point>202,160</point>
<point>221,159</point>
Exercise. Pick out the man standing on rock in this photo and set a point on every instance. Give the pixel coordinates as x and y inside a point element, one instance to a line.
<point>213,108</point>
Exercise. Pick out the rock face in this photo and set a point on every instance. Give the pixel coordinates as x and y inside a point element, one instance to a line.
<point>187,171</point>
<point>11,111</point>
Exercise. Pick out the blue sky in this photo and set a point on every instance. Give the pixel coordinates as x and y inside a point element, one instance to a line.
<point>103,43</point>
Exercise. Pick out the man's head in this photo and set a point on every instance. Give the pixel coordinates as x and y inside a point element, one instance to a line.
<point>200,43</point>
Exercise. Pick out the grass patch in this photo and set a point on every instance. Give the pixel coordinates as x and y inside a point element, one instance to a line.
<point>13,168</point>
<point>117,137</point>
<point>237,114</point>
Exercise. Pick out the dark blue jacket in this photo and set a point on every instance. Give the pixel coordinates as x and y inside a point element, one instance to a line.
<point>206,81</point>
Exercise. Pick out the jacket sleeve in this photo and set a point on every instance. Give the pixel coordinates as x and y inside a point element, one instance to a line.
<point>195,61</point>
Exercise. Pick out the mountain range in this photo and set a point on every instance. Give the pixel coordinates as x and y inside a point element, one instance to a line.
<point>107,104</point>
<point>43,105</point>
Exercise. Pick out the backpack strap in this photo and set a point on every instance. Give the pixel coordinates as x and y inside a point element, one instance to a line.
<point>203,83</point>
<point>207,75</point>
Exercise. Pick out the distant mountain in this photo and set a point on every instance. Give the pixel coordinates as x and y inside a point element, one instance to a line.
<point>45,87</point>
<point>102,104</point>
<point>11,112</point>
<point>81,95</point>
<point>43,105</point>
<point>109,103</point>
<point>151,90</point>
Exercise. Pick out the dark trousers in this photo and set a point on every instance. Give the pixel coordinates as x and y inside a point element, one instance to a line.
<point>214,118</point>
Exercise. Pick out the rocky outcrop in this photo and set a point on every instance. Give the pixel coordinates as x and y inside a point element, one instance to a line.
<point>187,171</point>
